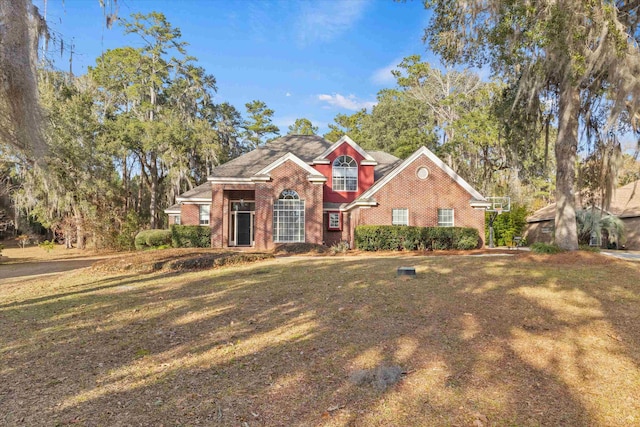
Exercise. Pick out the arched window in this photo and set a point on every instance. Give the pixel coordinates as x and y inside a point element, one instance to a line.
<point>288,218</point>
<point>345,174</point>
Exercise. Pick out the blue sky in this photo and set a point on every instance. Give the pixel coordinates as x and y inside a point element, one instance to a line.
<point>310,59</point>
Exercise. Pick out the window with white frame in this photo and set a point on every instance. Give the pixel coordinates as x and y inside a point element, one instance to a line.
<point>445,217</point>
<point>334,221</point>
<point>288,218</point>
<point>400,217</point>
<point>345,174</point>
<point>205,213</point>
<point>176,219</point>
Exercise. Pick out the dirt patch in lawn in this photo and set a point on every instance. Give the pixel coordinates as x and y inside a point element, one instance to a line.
<point>176,260</point>
<point>522,340</point>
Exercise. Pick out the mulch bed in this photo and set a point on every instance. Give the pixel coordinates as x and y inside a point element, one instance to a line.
<point>176,260</point>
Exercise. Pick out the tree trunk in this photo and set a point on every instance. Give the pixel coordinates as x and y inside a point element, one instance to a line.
<point>153,205</point>
<point>68,243</point>
<point>566,234</point>
<point>80,235</point>
<point>125,184</point>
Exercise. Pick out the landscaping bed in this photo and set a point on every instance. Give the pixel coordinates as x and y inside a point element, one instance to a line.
<point>176,260</point>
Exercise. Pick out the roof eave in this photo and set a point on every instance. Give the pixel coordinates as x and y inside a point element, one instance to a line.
<point>195,200</point>
<point>480,204</point>
<point>322,158</point>
<point>229,180</point>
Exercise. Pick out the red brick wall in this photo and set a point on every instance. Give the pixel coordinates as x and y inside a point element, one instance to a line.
<point>287,176</point>
<point>423,198</point>
<point>331,237</point>
<point>189,214</point>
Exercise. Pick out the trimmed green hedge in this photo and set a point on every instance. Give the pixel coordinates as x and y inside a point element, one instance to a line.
<point>152,239</point>
<point>190,236</point>
<point>395,237</point>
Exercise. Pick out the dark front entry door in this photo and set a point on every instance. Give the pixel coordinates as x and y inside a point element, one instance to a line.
<point>244,229</point>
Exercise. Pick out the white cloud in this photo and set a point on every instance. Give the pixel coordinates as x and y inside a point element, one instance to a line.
<point>383,76</point>
<point>287,94</point>
<point>324,20</point>
<point>350,102</point>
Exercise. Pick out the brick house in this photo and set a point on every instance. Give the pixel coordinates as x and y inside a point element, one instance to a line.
<point>306,189</point>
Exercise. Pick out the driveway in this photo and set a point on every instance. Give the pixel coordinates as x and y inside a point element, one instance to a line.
<point>16,272</point>
<point>17,264</point>
<point>628,255</point>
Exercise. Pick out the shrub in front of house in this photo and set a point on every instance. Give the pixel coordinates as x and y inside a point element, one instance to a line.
<point>190,236</point>
<point>394,237</point>
<point>147,239</point>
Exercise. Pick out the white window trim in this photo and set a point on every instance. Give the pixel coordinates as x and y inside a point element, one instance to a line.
<point>393,216</point>
<point>453,217</point>
<point>329,226</point>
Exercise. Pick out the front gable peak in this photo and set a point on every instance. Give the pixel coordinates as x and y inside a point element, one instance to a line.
<point>264,174</point>
<point>366,198</point>
<point>323,158</point>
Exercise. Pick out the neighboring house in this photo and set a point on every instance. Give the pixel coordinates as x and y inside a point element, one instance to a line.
<point>306,189</point>
<point>625,204</point>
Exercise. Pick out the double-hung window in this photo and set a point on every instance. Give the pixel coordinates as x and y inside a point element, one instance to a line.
<point>445,217</point>
<point>400,217</point>
<point>205,213</point>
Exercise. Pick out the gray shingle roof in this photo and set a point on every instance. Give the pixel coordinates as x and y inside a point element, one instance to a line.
<point>202,191</point>
<point>173,209</point>
<point>386,163</point>
<point>306,147</point>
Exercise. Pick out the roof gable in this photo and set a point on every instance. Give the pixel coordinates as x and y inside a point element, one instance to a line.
<point>322,158</point>
<point>314,175</point>
<point>423,151</point>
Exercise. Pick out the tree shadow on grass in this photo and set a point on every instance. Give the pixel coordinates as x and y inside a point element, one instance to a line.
<point>274,344</point>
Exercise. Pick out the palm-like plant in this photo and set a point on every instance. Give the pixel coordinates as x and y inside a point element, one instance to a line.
<point>592,223</point>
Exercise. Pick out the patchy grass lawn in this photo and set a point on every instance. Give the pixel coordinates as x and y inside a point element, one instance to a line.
<point>506,340</point>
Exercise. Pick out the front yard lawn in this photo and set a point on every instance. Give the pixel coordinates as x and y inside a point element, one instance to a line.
<point>502,340</point>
